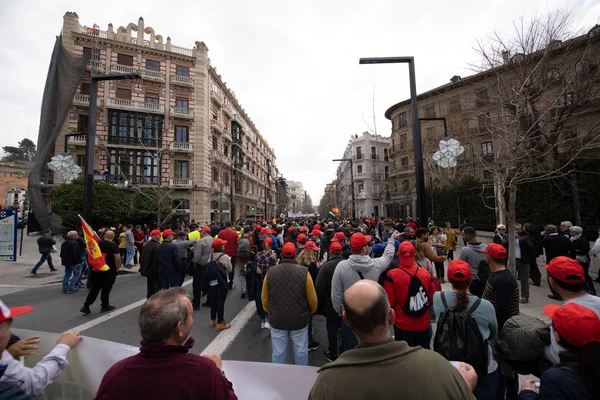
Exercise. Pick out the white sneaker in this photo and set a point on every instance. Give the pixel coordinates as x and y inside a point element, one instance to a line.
<point>262,325</point>
<point>266,325</point>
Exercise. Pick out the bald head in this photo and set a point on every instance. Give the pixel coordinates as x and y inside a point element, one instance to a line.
<point>109,235</point>
<point>367,310</point>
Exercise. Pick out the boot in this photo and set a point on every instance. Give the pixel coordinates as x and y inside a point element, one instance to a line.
<point>85,309</point>
<point>223,325</point>
<point>213,323</point>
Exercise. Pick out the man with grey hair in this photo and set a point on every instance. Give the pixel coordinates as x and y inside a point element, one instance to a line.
<point>565,229</point>
<point>163,369</point>
<point>70,256</point>
<point>555,245</point>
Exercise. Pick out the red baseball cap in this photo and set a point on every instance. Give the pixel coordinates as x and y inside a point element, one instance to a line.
<point>406,254</point>
<point>459,270</point>
<point>496,250</point>
<point>315,233</point>
<point>205,228</point>
<point>339,236</point>
<point>336,248</point>
<point>168,232</point>
<point>217,243</point>
<point>258,228</point>
<point>303,229</point>
<point>288,250</point>
<point>10,313</point>
<point>302,238</point>
<point>265,231</point>
<point>317,227</point>
<point>566,270</point>
<point>155,232</point>
<point>358,241</point>
<point>291,229</point>
<point>268,240</point>
<point>577,324</point>
<point>311,246</point>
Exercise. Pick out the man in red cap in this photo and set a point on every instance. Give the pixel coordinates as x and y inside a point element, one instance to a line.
<point>300,242</point>
<point>217,283</point>
<point>410,292</point>
<point>288,295</point>
<point>315,237</point>
<point>202,253</point>
<point>148,266</point>
<point>18,380</point>
<point>231,236</point>
<point>358,266</point>
<point>567,278</point>
<point>169,261</point>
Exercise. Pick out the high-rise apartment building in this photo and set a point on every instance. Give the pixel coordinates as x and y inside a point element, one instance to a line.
<point>295,193</point>
<point>179,127</point>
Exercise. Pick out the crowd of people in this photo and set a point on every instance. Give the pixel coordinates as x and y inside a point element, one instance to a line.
<point>378,285</point>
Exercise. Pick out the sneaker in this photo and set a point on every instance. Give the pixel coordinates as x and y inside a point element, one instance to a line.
<point>32,273</point>
<point>524,300</point>
<point>212,323</point>
<point>53,270</point>
<point>68,291</point>
<point>267,325</point>
<point>107,308</point>
<point>221,326</point>
<point>85,309</point>
<point>329,356</point>
<point>551,296</point>
<point>244,293</point>
<point>129,266</point>
<point>232,287</point>
<point>314,345</point>
<point>262,324</point>
<point>197,308</point>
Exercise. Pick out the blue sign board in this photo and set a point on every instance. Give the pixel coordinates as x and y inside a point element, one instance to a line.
<point>8,235</point>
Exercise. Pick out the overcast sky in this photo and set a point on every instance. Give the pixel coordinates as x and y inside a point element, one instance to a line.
<point>293,64</point>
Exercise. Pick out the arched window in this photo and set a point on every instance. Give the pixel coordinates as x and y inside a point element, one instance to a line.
<point>553,74</point>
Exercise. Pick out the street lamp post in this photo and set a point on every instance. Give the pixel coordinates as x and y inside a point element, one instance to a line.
<point>417,146</point>
<point>351,183</point>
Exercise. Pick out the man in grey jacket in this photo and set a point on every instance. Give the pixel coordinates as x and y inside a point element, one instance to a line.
<point>473,255</point>
<point>358,266</point>
<point>202,253</point>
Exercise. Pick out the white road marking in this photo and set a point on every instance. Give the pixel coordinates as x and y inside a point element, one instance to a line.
<point>110,315</point>
<point>226,337</point>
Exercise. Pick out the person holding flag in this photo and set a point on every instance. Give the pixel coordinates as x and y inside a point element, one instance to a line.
<point>95,258</point>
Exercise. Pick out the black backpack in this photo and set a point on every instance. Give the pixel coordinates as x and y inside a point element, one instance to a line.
<point>243,248</point>
<point>417,302</point>
<point>214,270</point>
<point>458,338</point>
<point>483,271</point>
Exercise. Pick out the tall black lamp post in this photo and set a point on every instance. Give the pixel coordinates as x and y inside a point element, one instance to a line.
<point>351,183</point>
<point>418,149</point>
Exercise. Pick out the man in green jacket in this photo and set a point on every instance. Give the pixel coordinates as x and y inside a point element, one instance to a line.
<point>382,368</point>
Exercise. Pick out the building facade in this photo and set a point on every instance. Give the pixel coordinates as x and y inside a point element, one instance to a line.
<point>295,193</point>
<point>371,165</point>
<point>178,128</point>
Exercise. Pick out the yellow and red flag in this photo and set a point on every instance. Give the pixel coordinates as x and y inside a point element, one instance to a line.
<point>95,257</point>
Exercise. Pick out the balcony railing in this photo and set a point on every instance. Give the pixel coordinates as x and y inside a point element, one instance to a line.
<point>79,140</point>
<point>134,141</point>
<point>182,183</point>
<point>120,180</point>
<point>220,187</point>
<point>217,155</point>
<point>182,113</point>
<point>217,126</point>
<point>182,80</point>
<point>133,105</point>
<point>152,75</point>
<point>84,100</point>
<point>181,147</point>
<point>123,69</point>
<point>216,96</point>
<point>99,67</point>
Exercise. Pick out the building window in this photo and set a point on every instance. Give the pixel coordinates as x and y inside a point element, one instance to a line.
<point>360,187</point>
<point>181,169</point>
<point>215,143</point>
<point>152,65</point>
<point>386,156</point>
<point>553,74</point>
<point>181,70</point>
<point>582,66</point>
<point>182,103</point>
<point>487,149</point>
<point>405,186</point>
<point>404,162</point>
<point>125,59</point>
<point>181,134</point>
<point>373,153</point>
<point>483,121</point>
<point>82,124</point>
<point>152,98</point>
<point>81,161</point>
<point>402,141</point>
<point>215,175</point>
<point>84,88</point>
<point>225,178</point>
<point>430,111</point>
<point>123,93</point>
<point>402,120</point>
<point>359,169</point>
<point>131,128</point>
<point>454,106</point>
<point>358,153</point>
<point>225,150</point>
<point>140,167</point>
<point>87,53</point>
<point>481,97</point>
<point>386,172</point>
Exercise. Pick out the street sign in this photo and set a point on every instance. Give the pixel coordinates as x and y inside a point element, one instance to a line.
<point>8,235</point>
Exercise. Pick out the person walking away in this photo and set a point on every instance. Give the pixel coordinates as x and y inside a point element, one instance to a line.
<point>265,259</point>
<point>70,255</point>
<point>534,238</point>
<point>473,254</point>
<point>323,290</point>
<point>451,240</point>
<point>555,245</point>
<point>230,236</point>
<point>216,274</point>
<point>202,253</point>
<point>524,252</point>
<point>129,246</point>
<point>122,245</point>
<point>104,280</point>
<point>577,377</point>
<point>183,246</point>
<point>45,246</point>
<point>460,300</point>
<point>139,237</point>
<point>309,257</point>
<point>437,242</point>
<point>381,368</point>
<point>582,248</point>
<point>148,265</point>
<point>289,296</point>
<point>502,290</point>
<point>244,252</point>
<point>169,261</point>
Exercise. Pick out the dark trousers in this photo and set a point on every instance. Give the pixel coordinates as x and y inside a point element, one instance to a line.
<point>152,285</point>
<point>487,387</point>
<point>169,279</point>
<point>589,282</point>
<point>218,294</point>
<point>439,270</point>
<point>332,324</point>
<point>508,387</point>
<point>103,281</point>
<point>450,254</point>
<point>258,298</point>
<point>349,340</point>
<point>198,285</point>
<point>534,272</point>
<point>231,274</point>
<point>414,338</point>
<point>477,287</point>
<point>139,247</point>
<point>123,254</point>
<point>43,258</point>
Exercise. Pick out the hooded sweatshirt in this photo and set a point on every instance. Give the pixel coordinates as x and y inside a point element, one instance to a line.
<point>347,272</point>
<point>473,254</point>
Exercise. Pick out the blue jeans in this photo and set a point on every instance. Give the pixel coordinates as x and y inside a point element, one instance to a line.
<point>169,279</point>
<point>43,257</point>
<point>349,340</point>
<point>71,277</point>
<point>487,387</point>
<point>130,253</point>
<point>279,341</point>
<point>84,268</point>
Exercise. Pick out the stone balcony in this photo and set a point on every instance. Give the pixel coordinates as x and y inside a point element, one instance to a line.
<point>134,105</point>
<point>219,187</point>
<point>84,100</point>
<point>79,140</point>
<point>123,69</point>
<point>186,113</point>
<point>216,97</point>
<point>217,126</point>
<point>183,147</point>
<point>181,80</point>
<point>180,183</point>
<point>218,156</point>
<point>152,75</point>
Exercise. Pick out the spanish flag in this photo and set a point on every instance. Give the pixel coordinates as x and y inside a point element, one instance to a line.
<point>95,257</point>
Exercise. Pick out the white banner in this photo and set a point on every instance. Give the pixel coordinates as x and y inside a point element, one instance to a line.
<point>90,360</point>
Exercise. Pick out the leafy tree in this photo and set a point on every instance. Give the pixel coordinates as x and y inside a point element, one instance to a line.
<point>282,196</point>
<point>25,151</point>
<point>109,205</point>
<point>152,203</point>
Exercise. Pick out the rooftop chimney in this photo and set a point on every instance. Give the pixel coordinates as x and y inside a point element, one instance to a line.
<point>455,79</point>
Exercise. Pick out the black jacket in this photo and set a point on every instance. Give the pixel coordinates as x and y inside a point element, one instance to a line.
<point>323,286</point>
<point>556,245</point>
<point>582,248</point>
<point>148,266</point>
<point>559,383</point>
<point>71,252</point>
<point>167,257</point>
<point>45,244</point>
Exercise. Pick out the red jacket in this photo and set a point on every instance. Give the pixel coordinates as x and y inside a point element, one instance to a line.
<point>165,372</point>
<point>396,286</point>
<point>232,238</point>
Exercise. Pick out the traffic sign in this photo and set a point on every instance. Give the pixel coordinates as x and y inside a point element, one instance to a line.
<point>8,235</point>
